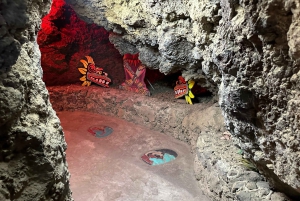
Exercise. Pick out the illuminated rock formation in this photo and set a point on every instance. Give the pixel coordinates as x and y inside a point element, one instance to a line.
<point>245,51</point>
<point>64,40</point>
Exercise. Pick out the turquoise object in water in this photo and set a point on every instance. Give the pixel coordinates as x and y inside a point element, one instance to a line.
<point>104,133</point>
<point>167,158</point>
<point>100,131</point>
<point>158,157</point>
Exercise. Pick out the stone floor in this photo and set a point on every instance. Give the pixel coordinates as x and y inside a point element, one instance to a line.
<point>110,168</point>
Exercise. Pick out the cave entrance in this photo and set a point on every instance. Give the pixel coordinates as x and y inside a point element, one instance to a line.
<point>112,161</point>
<point>65,40</point>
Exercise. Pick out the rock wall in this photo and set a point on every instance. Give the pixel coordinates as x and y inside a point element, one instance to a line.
<point>32,147</point>
<point>224,175</point>
<point>247,51</point>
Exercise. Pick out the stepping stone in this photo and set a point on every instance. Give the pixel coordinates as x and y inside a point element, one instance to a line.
<point>158,157</point>
<point>100,131</point>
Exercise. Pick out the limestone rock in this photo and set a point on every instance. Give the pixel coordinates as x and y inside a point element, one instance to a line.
<point>32,147</point>
<point>223,175</point>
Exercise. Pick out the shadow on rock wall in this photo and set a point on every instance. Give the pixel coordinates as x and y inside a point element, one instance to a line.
<point>64,39</point>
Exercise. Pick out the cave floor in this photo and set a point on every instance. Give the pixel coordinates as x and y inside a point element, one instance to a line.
<point>111,169</point>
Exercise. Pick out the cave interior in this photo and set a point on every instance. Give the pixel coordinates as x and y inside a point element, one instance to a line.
<point>65,41</point>
<point>161,103</point>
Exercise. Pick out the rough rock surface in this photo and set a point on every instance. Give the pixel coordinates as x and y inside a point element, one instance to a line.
<point>64,40</point>
<point>32,146</point>
<point>247,51</point>
<point>224,174</point>
<point>218,166</point>
<point>174,118</point>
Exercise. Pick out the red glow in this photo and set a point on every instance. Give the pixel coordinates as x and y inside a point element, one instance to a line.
<point>64,39</point>
<point>133,59</point>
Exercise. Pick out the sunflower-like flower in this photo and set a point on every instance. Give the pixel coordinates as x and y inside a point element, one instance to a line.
<point>83,71</point>
<point>190,95</point>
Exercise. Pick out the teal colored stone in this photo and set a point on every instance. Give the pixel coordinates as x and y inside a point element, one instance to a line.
<point>158,161</point>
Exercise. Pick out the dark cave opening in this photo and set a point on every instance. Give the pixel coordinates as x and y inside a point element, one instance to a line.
<point>65,39</point>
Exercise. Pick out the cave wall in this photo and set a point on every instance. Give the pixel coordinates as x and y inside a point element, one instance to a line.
<point>32,147</point>
<point>246,51</point>
<point>64,40</point>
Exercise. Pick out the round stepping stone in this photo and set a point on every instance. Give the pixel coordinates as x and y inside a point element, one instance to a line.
<point>159,157</point>
<point>100,131</point>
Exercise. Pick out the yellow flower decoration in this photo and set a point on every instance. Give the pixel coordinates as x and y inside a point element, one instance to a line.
<point>83,71</point>
<point>92,73</point>
<point>190,95</point>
